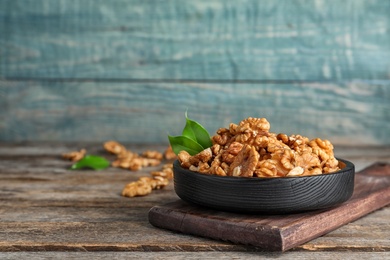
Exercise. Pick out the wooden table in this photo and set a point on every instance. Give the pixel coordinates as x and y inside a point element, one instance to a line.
<point>48,211</point>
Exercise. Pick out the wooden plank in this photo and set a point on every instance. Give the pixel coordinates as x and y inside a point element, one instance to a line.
<point>212,40</point>
<point>277,232</point>
<point>46,208</point>
<point>349,113</point>
<point>68,233</point>
<point>194,255</point>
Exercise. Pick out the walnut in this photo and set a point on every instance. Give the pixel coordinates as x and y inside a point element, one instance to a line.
<point>169,154</point>
<point>233,129</point>
<point>323,148</point>
<point>135,164</point>
<point>218,170</point>
<point>331,165</point>
<point>126,155</point>
<point>261,141</point>
<point>166,172</point>
<point>298,143</point>
<point>222,136</point>
<point>140,162</point>
<point>308,161</point>
<point>160,182</point>
<point>114,147</point>
<point>75,156</point>
<point>283,137</point>
<point>249,149</point>
<point>266,168</point>
<point>313,171</point>
<point>295,142</point>
<point>152,155</point>
<point>231,152</point>
<point>216,167</point>
<point>197,162</point>
<point>144,186</point>
<point>296,171</point>
<point>124,159</point>
<point>203,156</point>
<point>215,149</point>
<point>155,183</point>
<point>184,159</point>
<point>275,146</point>
<point>288,159</point>
<point>248,129</point>
<point>136,188</point>
<point>283,161</point>
<point>203,167</point>
<point>245,162</point>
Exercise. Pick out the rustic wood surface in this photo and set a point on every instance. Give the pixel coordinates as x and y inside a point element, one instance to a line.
<point>47,209</point>
<point>277,232</point>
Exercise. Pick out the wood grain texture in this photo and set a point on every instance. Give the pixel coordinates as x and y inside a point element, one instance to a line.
<point>46,209</point>
<point>277,232</point>
<point>195,255</point>
<point>219,40</point>
<point>354,113</point>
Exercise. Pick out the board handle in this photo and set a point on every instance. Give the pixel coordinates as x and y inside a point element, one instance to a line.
<point>377,169</point>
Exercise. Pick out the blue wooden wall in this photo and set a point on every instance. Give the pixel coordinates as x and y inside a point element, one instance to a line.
<point>93,70</point>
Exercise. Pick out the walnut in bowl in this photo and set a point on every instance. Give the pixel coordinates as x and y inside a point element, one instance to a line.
<point>265,195</point>
<point>249,169</point>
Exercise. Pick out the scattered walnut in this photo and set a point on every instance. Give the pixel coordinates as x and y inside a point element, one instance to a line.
<point>129,160</point>
<point>169,154</point>
<point>144,186</point>
<point>155,183</point>
<point>166,172</point>
<point>114,147</point>
<point>75,156</point>
<point>152,155</point>
<point>136,188</point>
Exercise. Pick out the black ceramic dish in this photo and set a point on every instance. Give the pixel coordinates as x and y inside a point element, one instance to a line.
<point>265,195</point>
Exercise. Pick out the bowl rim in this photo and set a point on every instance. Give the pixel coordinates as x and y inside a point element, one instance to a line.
<point>349,166</point>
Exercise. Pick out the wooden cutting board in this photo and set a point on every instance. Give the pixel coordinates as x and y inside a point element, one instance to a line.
<point>277,232</point>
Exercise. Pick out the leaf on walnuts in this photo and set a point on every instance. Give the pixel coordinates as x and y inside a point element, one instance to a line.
<point>197,133</point>
<point>180,143</point>
<point>194,138</point>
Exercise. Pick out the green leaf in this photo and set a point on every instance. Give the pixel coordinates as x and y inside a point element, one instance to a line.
<point>91,161</point>
<point>180,143</point>
<point>197,133</point>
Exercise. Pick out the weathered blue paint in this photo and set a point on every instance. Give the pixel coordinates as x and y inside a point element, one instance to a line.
<point>208,39</point>
<point>352,113</point>
<point>128,70</point>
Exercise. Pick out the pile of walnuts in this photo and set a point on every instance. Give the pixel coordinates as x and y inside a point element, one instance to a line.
<point>127,159</point>
<point>250,150</point>
<point>132,161</point>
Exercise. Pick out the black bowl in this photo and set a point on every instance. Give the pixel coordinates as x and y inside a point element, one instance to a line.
<point>265,195</point>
